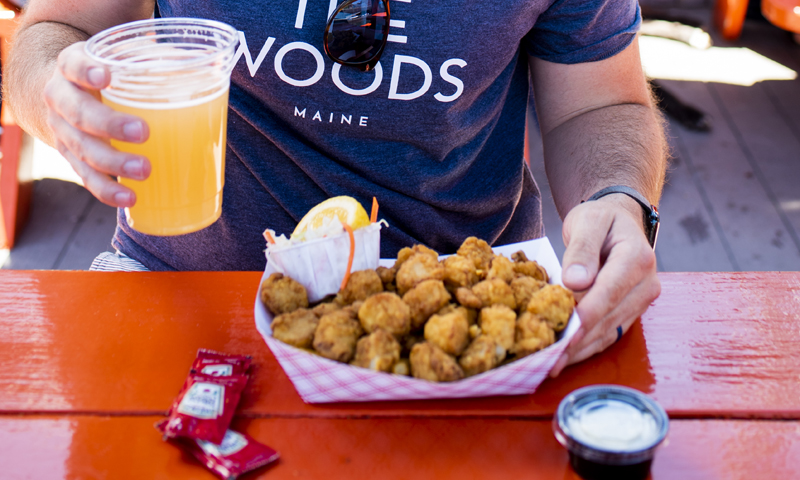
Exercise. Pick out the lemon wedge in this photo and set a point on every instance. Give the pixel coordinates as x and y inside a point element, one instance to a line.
<point>347,209</point>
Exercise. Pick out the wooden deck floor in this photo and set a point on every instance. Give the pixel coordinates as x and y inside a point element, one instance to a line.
<point>732,200</point>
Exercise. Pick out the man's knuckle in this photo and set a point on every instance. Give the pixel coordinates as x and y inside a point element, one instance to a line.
<point>77,148</point>
<point>645,258</point>
<point>653,289</point>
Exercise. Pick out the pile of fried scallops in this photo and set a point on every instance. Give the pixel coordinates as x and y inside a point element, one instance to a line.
<point>436,320</point>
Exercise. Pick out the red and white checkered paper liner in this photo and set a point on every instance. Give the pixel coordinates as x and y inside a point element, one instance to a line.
<point>319,380</point>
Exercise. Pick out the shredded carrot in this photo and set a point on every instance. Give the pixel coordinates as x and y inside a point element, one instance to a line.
<point>373,217</point>
<point>350,258</point>
<point>268,236</point>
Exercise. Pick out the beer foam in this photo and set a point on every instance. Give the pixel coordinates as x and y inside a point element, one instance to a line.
<point>165,102</point>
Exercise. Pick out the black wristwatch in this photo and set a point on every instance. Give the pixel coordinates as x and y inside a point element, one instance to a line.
<point>651,218</point>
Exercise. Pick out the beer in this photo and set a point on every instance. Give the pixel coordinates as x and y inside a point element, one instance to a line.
<point>186,149</point>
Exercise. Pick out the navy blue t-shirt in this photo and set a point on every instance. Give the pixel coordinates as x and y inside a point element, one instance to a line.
<point>435,132</point>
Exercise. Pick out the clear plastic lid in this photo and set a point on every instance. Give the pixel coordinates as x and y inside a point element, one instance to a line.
<point>610,424</point>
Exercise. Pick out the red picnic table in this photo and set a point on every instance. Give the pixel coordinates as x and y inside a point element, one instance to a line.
<point>89,361</point>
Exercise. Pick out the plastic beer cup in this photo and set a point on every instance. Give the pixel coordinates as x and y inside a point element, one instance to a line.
<point>175,74</point>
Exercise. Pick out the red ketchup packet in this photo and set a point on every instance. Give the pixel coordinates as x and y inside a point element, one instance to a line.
<point>205,406</point>
<point>219,364</point>
<point>238,453</point>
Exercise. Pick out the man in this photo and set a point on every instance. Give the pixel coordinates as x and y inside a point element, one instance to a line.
<point>434,131</point>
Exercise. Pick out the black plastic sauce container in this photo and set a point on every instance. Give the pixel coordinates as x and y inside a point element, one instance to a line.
<point>611,432</point>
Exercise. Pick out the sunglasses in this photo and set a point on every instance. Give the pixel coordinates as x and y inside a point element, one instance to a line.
<point>356,33</point>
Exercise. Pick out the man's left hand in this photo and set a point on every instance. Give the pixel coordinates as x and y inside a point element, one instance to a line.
<point>611,267</point>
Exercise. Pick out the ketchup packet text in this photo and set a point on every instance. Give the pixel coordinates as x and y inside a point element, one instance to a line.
<point>219,364</point>
<point>205,406</point>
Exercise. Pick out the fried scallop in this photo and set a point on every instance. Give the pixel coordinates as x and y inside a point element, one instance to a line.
<point>429,362</point>
<point>479,252</point>
<point>387,278</point>
<point>295,328</point>
<point>282,294</point>
<point>502,268</point>
<point>385,310</point>
<point>336,335</point>
<point>407,252</point>
<point>467,298</point>
<point>377,351</point>
<point>499,321</point>
<point>523,266</point>
<point>418,268</point>
<point>482,355</point>
<point>532,334</point>
<point>450,331</point>
<point>495,292</point>
<point>524,287</point>
<point>325,308</point>
<point>459,271</point>
<point>361,285</point>
<point>554,303</point>
<point>425,299</point>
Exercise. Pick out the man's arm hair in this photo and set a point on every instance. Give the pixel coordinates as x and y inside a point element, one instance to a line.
<point>31,65</point>
<point>46,28</point>
<point>600,127</point>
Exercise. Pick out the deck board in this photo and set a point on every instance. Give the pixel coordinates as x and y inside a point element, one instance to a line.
<point>92,237</point>
<point>737,196</point>
<point>57,209</point>
<point>690,239</point>
<point>774,154</point>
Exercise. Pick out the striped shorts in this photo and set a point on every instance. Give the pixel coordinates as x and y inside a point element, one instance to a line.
<point>116,262</point>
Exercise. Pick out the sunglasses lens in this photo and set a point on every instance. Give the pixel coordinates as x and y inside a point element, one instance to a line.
<point>357,31</point>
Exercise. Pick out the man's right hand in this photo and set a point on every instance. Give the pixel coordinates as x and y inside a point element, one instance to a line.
<point>82,127</point>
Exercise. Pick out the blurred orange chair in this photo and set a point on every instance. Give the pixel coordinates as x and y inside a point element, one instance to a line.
<point>782,13</point>
<point>729,15</point>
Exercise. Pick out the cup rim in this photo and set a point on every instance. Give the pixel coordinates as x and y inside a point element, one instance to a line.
<point>97,38</point>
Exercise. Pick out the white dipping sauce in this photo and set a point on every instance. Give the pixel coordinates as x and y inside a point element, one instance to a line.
<point>610,424</point>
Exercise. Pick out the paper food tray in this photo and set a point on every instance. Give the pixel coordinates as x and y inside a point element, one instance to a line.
<point>319,380</point>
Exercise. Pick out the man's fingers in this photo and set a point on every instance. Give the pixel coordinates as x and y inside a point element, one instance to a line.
<point>628,264</point>
<point>584,237</point>
<point>84,112</point>
<point>79,68</point>
<point>601,343</point>
<point>103,187</point>
<point>98,154</point>
<point>605,331</point>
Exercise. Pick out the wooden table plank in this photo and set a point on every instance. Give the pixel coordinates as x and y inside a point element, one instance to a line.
<point>76,446</point>
<point>712,345</point>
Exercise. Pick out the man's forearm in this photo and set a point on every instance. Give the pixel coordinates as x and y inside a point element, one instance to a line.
<point>32,62</point>
<point>614,145</point>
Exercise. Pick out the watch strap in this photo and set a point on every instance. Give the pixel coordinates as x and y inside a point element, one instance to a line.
<point>651,217</point>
